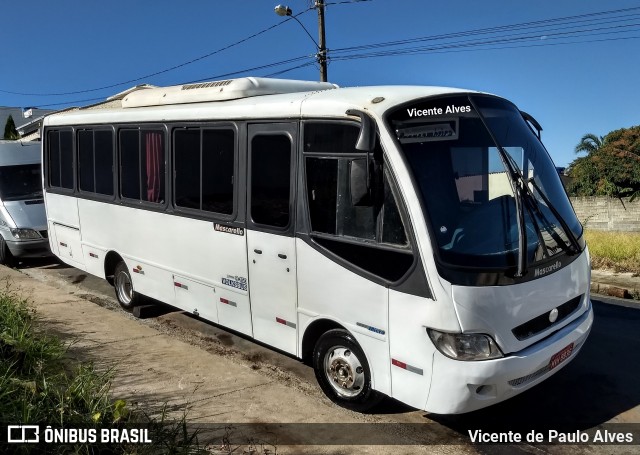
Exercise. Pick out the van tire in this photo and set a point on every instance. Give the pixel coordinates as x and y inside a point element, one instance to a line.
<point>343,372</point>
<point>123,285</point>
<point>6,258</point>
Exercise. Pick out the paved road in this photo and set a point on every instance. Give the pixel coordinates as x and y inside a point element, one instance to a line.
<point>600,386</point>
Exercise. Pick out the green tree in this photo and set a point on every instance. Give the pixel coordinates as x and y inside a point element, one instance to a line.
<point>611,166</point>
<point>10,132</point>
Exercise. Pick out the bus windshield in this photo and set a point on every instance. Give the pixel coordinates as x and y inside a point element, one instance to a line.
<point>490,190</point>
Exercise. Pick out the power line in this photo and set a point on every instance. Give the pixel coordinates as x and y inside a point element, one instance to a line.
<point>181,65</point>
<point>450,49</point>
<point>498,29</point>
<point>138,79</point>
<point>255,68</point>
<point>520,37</point>
<point>551,31</point>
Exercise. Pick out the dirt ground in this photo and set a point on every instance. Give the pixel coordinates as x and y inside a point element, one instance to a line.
<point>230,392</point>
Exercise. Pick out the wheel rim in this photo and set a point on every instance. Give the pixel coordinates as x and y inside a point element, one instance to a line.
<point>124,287</point>
<point>344,371</point>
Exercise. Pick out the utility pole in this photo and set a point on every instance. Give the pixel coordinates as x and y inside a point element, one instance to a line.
<point>321,55</point>
<point>322,45</point>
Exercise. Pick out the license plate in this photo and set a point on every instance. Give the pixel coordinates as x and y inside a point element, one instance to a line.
<point>560,357</point>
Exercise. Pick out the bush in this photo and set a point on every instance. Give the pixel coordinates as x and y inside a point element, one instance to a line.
<point>40,386</point>
<point>619,251</point>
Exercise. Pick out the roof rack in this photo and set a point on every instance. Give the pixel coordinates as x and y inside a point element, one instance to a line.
<point>220,91</point>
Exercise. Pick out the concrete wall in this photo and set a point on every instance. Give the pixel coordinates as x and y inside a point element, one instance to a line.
<point>608,214</point>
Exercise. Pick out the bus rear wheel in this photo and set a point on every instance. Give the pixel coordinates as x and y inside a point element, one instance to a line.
<point>123,285</point>
<point>343,372</point>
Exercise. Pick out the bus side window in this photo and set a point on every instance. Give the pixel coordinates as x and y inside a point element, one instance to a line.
<point>204,163</point>
<point>371,237</point>
<point>332,212</point>
<point>270,180</point>
<point>95,161</point>
<point>60,163</point>
<point>142,165</point>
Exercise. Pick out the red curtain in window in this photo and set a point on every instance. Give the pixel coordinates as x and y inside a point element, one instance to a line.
<point>154,153</point>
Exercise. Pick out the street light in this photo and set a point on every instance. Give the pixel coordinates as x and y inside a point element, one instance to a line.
<point>321,55</point>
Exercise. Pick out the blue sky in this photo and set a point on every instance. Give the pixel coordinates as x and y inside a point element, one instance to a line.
<point>588,86</point>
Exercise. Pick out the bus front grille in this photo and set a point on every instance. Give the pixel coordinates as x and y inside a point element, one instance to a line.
<point>542,322</point>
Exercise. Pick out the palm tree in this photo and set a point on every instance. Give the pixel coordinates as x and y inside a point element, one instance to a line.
<point>589,143</point>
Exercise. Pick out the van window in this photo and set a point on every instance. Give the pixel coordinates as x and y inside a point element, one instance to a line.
<point>20,182</point>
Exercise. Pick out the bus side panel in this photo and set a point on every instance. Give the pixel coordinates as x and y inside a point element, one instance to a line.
<point>68,245</point>
<point>410,348</point>
<point>63,222</point>
<point>63,209</point>
<point>195,297</point>
<point>94,260</point>
<point>328,290</point>
<point>156,246</point>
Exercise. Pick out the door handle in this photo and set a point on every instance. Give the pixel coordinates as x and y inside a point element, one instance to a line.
<point>282,256</point>
<point>257,251</point>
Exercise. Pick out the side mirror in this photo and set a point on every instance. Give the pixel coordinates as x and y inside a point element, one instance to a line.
<point>367,137</point>
<point>532,122</point>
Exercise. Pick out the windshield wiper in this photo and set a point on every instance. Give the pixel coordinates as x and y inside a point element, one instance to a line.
<point>565,227</point>
<point>517,184</point>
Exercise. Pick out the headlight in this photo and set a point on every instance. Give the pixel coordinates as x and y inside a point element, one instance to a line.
<point>25,234</point>
<point>465,346</point>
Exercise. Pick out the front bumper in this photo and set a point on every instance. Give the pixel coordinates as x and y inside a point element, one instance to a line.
<point>29,248</point>
<point>458,387</point>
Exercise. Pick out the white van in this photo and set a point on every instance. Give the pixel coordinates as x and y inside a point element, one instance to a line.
<point>23,221</point>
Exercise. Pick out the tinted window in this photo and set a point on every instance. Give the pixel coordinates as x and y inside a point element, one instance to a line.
<point>60,163</point>
<point>218,164</point>
<point>187,168</point>
<point>20,182</point>
<point>142,165</point>
<point>130,164</point>
<point>270,179</point>
<point>330,138</point>
<point>366,234</point>
<point>95,161</point>
<point>204,169</point>
<point>331,210</point>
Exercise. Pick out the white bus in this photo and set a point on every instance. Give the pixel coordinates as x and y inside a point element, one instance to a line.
<point>409,241</point>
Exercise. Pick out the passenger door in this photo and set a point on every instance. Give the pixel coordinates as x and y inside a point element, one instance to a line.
<point>270,233</point>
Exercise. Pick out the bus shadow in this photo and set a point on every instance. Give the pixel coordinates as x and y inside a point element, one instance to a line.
<point>48,262</point>
<point>597,386</point>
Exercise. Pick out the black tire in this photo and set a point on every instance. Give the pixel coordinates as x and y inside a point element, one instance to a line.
<point>6,258</point>
<point>343,372</point>
<point>123,285</point>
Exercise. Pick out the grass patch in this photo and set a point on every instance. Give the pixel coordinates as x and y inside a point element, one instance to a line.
<point>40,386</point>
<point>619,251</point>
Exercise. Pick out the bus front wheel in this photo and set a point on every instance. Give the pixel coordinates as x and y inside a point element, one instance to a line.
<point>127,297</point>
<point>343,372</point>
